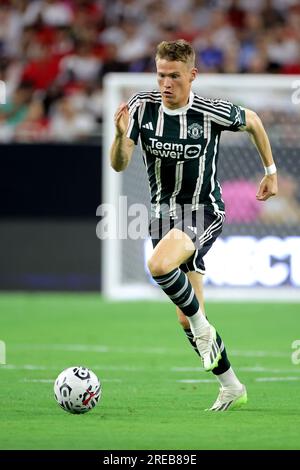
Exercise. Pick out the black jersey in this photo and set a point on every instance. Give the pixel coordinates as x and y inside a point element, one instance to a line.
<point>180,149</point>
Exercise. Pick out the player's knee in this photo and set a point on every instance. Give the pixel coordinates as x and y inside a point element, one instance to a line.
<point>159,267</point>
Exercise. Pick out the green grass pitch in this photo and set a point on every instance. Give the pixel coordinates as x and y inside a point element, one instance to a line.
<point>154,390</point>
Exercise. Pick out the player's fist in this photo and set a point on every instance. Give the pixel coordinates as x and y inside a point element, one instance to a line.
<point>121,119</point>
<point>268,187</point>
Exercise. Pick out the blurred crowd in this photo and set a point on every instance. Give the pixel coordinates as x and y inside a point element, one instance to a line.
<point>55,53</point>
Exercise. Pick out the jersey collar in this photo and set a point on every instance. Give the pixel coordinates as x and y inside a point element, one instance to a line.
<point>175,112</point>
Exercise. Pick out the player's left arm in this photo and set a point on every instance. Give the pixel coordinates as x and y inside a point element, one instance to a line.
<point>268,186</point>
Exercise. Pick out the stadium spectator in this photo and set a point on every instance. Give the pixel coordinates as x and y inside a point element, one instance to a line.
<point>34,127</point>
<point>56,43</point>
<point>42,67</point>
<point>68,125</point>
<point>53,13</point>
<point>15,109</point>
<point>81,66</point>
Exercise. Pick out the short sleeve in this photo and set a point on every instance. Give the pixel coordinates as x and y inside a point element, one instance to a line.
<point>235,117</point>
<point>133,130</point>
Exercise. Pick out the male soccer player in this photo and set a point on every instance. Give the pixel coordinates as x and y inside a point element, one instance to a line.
<point>179,133</point>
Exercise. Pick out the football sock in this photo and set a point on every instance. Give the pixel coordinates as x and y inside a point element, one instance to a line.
<point>223,364</point>
<point>190,337</point>
<point>198,323</point>
<point>179,289</point>
<point>228,379</point>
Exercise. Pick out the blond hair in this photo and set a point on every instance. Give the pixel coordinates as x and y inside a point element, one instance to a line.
<point>179,50</point>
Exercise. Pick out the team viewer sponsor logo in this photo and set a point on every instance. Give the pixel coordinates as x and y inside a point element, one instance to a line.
<point>192,151</point>
<point>172,150</point>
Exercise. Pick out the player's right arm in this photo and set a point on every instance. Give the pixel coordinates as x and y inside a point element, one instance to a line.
<point>122,147</point>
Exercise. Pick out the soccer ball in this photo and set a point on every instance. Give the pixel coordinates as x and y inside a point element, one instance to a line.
<point>77,389</point>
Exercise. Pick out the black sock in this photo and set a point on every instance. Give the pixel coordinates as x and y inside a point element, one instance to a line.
<point>179,289</point>
<point>223,364</point>
<point>190,337</point>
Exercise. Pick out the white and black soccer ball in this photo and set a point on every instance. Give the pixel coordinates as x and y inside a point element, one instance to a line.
<point>77,389</point>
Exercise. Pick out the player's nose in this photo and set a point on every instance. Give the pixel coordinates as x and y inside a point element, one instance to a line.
<point>167,83</point>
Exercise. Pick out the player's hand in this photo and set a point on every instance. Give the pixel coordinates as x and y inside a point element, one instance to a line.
<point>121,119</point>
<point>268,187</point>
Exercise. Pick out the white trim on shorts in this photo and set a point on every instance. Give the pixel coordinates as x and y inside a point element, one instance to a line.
<point>207,235</point>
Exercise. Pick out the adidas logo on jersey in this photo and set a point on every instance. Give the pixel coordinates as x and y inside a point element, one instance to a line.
<point>193,229</point>
<point>148,126</point>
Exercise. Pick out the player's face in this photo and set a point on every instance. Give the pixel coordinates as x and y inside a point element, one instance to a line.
<point>174,80</point>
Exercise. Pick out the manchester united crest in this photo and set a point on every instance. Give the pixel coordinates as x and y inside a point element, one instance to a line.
<point>195,131</point>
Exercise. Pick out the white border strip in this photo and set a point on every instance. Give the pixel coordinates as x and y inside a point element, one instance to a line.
<point>231,294</point>
<point>141,80</point>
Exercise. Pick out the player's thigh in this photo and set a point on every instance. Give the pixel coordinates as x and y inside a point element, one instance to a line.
<point>196,279</point>
<point>172,250</point>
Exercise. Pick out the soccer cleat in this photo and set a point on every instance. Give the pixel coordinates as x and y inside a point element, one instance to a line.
<point>230,399</point>
<point>208,348</point>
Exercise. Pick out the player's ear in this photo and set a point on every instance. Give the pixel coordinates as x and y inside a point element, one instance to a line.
<point>194,72</point>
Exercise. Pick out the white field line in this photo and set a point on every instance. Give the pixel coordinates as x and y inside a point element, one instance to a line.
<point>276,379</point>
<point>257,379</point>
<point>245,353</point>
<point>53,380</point>
<point>240,369</point>
<point>38,380</point>
<point>90,348</point>
<point>196,381</point>
<point>96,366</point>
<point>180,370</point>
<point>186,381</point>
<point>269,370</point>
<point>134,350</point>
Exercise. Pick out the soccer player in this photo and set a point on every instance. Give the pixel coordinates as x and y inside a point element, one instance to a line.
<point>179,133</point>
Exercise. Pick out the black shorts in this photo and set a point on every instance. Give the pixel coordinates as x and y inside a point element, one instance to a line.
<point>203,227</point>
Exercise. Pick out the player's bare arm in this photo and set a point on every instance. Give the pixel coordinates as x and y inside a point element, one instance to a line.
<point>122,147</point>
<point>268,185</point>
